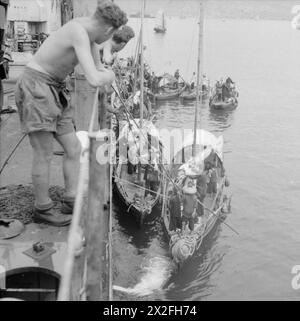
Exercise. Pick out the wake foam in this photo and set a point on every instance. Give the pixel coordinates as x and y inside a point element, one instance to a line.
<point>155,274</point>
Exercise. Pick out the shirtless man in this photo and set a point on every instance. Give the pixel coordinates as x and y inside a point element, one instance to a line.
<point>44,103</point>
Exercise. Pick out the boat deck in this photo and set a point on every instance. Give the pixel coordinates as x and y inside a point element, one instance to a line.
<point>133,187</point>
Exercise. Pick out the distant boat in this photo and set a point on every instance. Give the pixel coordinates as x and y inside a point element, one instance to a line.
<point>160,26</point>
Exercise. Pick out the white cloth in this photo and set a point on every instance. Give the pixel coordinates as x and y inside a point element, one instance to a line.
<point>193,79</point>
<point>136,98</point>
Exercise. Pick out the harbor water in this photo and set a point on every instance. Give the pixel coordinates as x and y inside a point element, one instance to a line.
<point>253,43</point>
<point>261,158</point>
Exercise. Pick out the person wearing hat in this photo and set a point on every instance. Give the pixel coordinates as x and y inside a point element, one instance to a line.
<point>201,193</point>
<point>175,212</point>
<point>189,203</point>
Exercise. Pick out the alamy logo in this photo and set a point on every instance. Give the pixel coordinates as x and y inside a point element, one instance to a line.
<point>296,278</point>
<point>2,277</point>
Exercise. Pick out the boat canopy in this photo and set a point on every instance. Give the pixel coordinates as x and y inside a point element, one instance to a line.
<point>167,79</point>
<point>206,143</point>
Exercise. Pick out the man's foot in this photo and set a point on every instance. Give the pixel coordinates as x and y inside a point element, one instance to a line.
<point>67,205</point>
<point>48,215</point>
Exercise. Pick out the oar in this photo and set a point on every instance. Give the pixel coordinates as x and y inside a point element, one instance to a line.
<point>212,212</point>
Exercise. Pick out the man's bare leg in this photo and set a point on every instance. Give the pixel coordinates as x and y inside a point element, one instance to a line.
<point>72,149</point>
<point>42,144</point>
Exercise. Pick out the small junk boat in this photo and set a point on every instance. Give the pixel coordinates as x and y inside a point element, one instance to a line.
<point>168,94</point>
<point>205,168</point>
<point>193,190</point>
<point>224,95</point>
<point>137,173</point>
<point>160,26</point>
<point>223,105</point>
<point>167,88</point>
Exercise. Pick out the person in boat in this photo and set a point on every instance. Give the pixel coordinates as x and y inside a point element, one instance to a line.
<point>151,175</point>
<point>44,103</point>
<point>154,83</point>
<point>189,204</point>
<point>176,76</point>
<point>204,83</point>
<point>175,210</point>
<point>218,94</point>
<point>212,175</point>
<point>193,80</point>
<point>227,90</point>
<point>136,102</point>
<point>201,192</point>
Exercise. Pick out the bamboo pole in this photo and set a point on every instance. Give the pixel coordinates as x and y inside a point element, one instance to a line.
<point>142,64</point>
<point>199,75</point>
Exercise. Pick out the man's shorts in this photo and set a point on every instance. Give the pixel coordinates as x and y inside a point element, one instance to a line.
<point>43,103</point>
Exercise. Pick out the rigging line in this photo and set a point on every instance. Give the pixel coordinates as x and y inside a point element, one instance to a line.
<point>136,124</point>
<point>145,139</point>
<point>123,103</point>
<point>12,152</point>
<point>140,187</point>
<point>214,213</point>
<point>178,189</point>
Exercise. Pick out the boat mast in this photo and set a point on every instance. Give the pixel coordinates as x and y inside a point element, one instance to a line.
<point>142,64</point>
<point>199,75</point>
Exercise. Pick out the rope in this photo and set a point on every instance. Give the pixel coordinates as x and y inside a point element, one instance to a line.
<point>12,152</point>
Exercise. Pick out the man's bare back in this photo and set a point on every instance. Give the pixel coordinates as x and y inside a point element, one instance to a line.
<point>57,55</point>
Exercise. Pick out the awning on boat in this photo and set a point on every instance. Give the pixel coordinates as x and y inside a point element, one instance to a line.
<point>206,143</point>
<point>167,79</point>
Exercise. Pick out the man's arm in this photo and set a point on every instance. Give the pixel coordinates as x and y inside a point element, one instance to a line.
<point>95,49</point>
<point>82,47</point>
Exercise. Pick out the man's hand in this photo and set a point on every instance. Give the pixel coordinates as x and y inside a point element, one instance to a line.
<point>105,77</point>
<point>116,111</point>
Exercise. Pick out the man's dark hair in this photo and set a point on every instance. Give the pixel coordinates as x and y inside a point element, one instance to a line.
<point>110,13</point>
<point>123,34</point>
